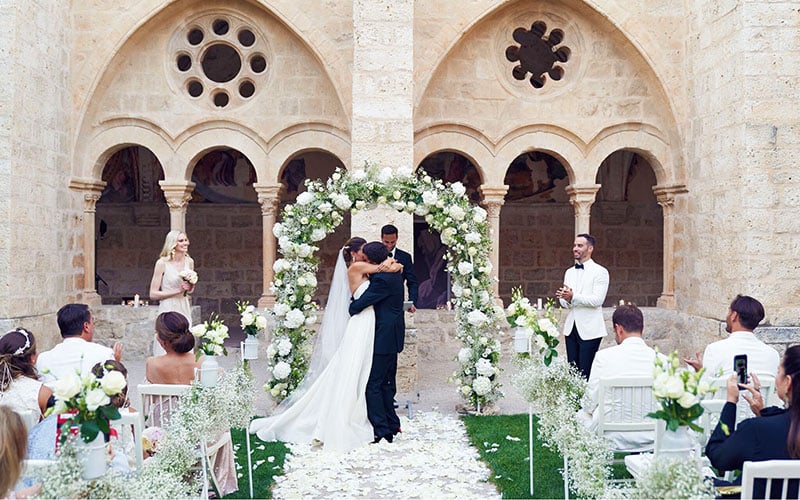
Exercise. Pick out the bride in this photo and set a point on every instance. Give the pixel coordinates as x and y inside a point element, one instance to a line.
<point>329,406</point>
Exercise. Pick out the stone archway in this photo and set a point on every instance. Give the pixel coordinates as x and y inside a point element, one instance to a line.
<point>319,210</point>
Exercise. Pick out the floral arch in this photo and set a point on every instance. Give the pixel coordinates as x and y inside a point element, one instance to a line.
<point>463,228</point>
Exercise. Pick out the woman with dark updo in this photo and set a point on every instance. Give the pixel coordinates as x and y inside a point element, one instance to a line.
<point>20,387</point>
<point>177,365</point>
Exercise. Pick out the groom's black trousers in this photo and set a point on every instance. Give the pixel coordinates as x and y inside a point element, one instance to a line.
<point>381,390</point>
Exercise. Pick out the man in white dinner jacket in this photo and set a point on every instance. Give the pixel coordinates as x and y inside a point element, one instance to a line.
<point>583,292</point>
<point>744,315</point>
<point>77,352</point>
<point>630,357</point>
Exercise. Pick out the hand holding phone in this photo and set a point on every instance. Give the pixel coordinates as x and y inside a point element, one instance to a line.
<point>740,367</point>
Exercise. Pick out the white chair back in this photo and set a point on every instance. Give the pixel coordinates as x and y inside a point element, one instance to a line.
<point>743,410</point>
<point>712,408</point>
<point>771,471</point>
<point>624,404</point>
<point>158,401</point>
<point>29,417</point>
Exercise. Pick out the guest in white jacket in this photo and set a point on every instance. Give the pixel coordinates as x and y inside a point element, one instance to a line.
<point>583,293</point>
<point>630,357</point>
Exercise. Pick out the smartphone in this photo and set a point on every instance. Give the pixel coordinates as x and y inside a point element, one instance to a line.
<point>740,367</point>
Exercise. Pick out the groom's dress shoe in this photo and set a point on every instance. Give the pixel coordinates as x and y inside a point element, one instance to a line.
<point>389,438</point>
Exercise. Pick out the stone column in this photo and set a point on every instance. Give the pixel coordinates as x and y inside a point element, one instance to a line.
<point>493,199</point>
<point>178,195</point>
<point>269,196</point>
<point>665,195</point>
<point>91,193</point>
<point>582,198</point>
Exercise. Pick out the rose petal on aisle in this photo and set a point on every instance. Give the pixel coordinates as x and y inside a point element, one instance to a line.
<point>431,458</point>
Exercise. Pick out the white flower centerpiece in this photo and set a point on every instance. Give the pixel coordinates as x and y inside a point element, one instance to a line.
<point>538,327</point>
<point>446,208</point>
<point>253,322</point>
<point>212,335</point>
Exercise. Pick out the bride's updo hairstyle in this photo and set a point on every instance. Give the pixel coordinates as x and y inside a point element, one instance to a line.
<point>17,348</point>
<point>352,246</point>
<point>173,329</point>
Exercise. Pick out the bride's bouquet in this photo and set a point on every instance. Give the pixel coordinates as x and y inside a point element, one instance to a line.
<point>189,276</point>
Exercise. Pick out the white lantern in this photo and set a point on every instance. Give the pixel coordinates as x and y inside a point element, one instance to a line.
<point>521,340</point>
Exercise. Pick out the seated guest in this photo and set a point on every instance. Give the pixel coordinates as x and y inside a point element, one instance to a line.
<point>630,357</point>
<point>20,387</point>
<point>177,366</point>
<point>13,447</point>
<point>744,315</point>
<point>77,352</point>
<point>773,435</point>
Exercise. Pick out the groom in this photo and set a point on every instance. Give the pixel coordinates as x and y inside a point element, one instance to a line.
<point>386,294</point>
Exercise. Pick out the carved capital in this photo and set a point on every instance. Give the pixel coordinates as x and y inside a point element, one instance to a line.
<point>665,195</point>
<point>582,197</point>
<point>269,196</point>
<point>177,194</point>
<point>493,194</point>
<point>91,189</point>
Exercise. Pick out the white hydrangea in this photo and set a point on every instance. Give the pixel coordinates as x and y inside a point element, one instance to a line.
<point>325,207</point>
<point>430,197</point>
<point>359,174</point>
<point>465,268</point>
<point>482,386</point>
<point>484,367</point>
<point>294,318</point>
<point>281,265</point>
<point>464,354</point>
<point>280,309</point>
<point>458,188</point>
<point>281,370</point>
<point>479,214</point>
<point>457,289</point>
<point>304,250</point>
<point>318,234</point>
<point>404,172</point>
<point>305,198</point>
<point>456,212</point>
<point>421,210</point>
<point>342,201</point>
<point>284,242</point>
<point>477,318</point>
<point>466,391</point>
<point>277,229</point>
<point>472,237</point>
<point>385,175</point>
<point>284,346</point>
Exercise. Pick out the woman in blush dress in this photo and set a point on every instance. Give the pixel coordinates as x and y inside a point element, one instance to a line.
<point>329,407</point>
<point>167,286</point>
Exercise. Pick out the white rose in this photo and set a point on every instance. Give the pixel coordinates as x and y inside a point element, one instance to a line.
<point>429,197</point>
<point>277,266</point>
<point>305,250</point>
<point>687,400</point>
<point>271,352</point>
<point>305,198</point>
<point>381,200</point>
<point>67,387</point>
<point>464,354</point>
<point>472,237</point>
<point>261,322</point>
<point>398,205</point>
<point>311,320</point>
<point>484,367</point>
<point>465,268</point>
<point>474,282</point>
<point>96,398</point>
<point>281,370</point>
<point>477,318</point>
<point>471,251</point>
<point>482,386</point>
<point>277,229</point>
<point>343,202</point>
<point>479,214</point>
<point>318,234</point>
<point>485,298</point>
<point>456,212</point>
<point>411,206</point>
<point>336,176</point>
<point>467,292</point>
<point>198,330</point>
<point>325,207</point>
<point>360,204</point>
<point>457,290</point>
<point>280,309</point>
<point>396,195</point>
<point>113,382</point>
<point>447,235</point>
<point>247,319</point>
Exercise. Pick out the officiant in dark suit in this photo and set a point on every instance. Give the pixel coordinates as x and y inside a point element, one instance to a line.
<point>389,236</point>
<point>385,294</point>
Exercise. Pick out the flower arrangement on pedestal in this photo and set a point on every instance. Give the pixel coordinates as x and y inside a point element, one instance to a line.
<point>679,391</point>
<point>540,326</point>
<point>252,321</point>
<point>88,400</point>
<point>445,207</point>
<point>211,335</point>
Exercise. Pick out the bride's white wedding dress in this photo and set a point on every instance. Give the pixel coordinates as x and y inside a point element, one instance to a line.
<point>333,409</point>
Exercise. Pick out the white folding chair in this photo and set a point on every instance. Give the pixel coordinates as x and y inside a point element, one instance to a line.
<point>771,471</point>
<point>712,408</point>
<point>158,401</point>
<point>743,411</point>
<point>134,419</point>
<point>623,407</point>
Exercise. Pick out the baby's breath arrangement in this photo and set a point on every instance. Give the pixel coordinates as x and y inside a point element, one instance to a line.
<point>463,228</point>
<point>668,479</point>
<point>556,391</point>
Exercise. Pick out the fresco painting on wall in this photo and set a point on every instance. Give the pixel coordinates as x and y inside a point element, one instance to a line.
<point>224,176</point>
<point>536,175</point>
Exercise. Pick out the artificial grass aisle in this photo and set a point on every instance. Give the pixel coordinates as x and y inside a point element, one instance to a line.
<point>267,460</point>
<point>502,441</point>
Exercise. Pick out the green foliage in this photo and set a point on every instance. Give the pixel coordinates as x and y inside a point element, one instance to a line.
<point>265,471</point>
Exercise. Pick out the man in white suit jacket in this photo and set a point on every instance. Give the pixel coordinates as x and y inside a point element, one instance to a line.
<point>630,357</point>
<point>584,291</point>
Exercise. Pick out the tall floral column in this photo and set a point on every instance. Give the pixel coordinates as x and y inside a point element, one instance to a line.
<point>269,196</point>
<point>91,190</point>
<point>581,198</point>
<point>178,195</point>
<point>665,195</point>
<point>493,199</point>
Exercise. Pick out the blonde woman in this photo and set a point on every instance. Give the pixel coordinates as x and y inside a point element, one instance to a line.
<point>13,448</point>
<point>167,286</point>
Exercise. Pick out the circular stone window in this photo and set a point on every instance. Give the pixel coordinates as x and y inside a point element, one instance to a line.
<point>219,61</point>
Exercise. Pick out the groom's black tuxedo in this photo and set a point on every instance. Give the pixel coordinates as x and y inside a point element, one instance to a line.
<point>385,294</point>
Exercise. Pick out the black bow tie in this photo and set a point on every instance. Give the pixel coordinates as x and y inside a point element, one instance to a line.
<point>578,266</point>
